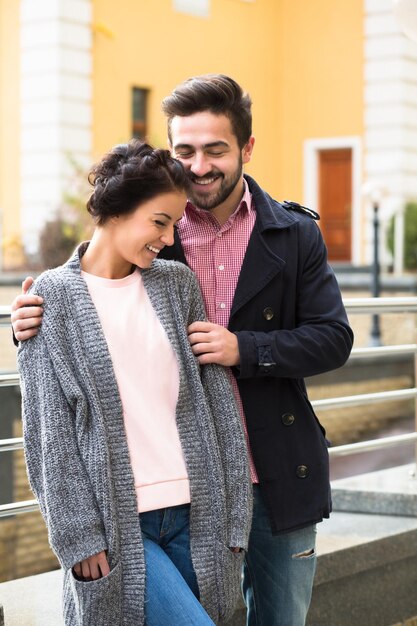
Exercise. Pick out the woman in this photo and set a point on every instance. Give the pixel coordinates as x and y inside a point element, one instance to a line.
<point>135,453</point>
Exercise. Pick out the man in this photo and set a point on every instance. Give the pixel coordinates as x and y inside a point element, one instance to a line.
<point>275,316</point>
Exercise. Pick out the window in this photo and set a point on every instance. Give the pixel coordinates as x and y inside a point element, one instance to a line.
<point>197,8</point>
<point>139,112</point>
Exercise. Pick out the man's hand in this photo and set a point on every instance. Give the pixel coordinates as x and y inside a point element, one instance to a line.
<point>94,567</point>
<point>212,343</point>
<point>26,313</point>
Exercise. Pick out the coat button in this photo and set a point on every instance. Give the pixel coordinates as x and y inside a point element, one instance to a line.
<point>288,419</point>
<point>268,313</point>
<point>302,471</point>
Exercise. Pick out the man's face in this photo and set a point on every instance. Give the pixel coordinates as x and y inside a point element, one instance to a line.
<point>208,149</point>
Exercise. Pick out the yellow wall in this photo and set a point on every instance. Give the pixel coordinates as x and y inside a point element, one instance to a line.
<point>9,131</point>
<point>301,61</point>
<point>322,63</point>
<point>155,47</point>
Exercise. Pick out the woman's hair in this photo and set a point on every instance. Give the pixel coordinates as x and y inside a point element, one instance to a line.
<point>130,174</point>
<point>216,93</point>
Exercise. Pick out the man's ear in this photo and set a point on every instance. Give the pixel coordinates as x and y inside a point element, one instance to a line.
<point>248,149</point>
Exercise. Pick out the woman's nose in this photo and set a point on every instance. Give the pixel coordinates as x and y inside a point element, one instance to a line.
<point>168,237</point>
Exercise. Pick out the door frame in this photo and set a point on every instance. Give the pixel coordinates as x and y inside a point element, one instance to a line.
<point>312,147</point>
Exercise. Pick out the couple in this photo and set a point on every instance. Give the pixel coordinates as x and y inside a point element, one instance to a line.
<point>134,445</point>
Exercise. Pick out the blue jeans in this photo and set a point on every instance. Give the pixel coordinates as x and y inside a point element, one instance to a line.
<point>171,593</point>
<point>278,572</point>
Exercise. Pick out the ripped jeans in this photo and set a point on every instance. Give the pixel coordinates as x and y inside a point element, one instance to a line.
<point>278,572</point>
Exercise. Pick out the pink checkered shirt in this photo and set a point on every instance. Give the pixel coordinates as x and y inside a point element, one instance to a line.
<point>215,253</point>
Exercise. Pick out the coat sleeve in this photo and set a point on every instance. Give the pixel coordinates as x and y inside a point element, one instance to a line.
<point>56,471</point>
<point>230,436</point>
<point>321,339</point>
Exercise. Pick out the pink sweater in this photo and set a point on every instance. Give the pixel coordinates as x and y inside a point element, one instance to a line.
<point>147,375</point>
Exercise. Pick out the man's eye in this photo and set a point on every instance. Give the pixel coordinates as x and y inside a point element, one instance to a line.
<point>215,154</point>
<point>183,155</point>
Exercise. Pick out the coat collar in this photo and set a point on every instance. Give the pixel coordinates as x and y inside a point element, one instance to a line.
<point>270,213</point>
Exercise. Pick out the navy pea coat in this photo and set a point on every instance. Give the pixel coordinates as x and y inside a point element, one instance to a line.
<point>290,322</point>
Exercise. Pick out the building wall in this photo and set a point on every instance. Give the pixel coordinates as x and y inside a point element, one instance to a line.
<point>321,53</point>
<point>301,62</point>
<point>390,118</point>
<point>55,106</point>
<point>9,133</point>
<point>138,48</point>
<point>290,55</point>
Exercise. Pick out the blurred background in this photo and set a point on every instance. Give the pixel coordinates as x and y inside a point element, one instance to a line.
<point>334,89</point>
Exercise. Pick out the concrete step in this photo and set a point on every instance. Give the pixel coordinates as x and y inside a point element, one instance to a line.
<point>391,492</point>
<point>366,573</point>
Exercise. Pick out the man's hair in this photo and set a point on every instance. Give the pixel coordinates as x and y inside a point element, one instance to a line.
<point>216,93</point>
<point>130,174</point>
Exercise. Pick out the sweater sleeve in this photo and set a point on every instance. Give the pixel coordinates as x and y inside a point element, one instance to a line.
<point>56,471</point>
<point>230,436</point>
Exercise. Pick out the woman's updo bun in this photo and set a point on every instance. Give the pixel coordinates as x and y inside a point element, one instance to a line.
<point>130,174</point>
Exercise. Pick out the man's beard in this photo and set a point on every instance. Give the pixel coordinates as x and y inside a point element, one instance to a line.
<point>211,201</point>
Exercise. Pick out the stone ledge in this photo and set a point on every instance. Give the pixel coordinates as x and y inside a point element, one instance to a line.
<point>390,492</point>
<point>349,543</point>
<point>34,600</point>
<point>366,571</point>
<point>355,281</point>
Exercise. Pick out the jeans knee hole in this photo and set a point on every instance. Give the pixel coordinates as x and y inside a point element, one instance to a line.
<point>307,554</point>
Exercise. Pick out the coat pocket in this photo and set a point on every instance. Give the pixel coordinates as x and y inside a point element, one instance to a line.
<point>97,602</point>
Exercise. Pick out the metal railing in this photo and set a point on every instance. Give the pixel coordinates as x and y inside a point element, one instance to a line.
<point>374,306</point>
<point>353,306</point>
<point>4,316</point>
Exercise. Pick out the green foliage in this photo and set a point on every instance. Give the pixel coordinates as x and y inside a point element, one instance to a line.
<point>57,240</point>
<point>410,236</point>
<point>71,223</point>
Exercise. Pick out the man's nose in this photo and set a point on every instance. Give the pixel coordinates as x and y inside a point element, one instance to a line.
<point>200,165</point>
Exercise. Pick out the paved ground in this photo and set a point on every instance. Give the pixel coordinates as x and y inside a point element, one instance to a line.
<point>32,601</point>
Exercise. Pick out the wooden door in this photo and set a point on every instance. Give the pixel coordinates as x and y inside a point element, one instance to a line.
<point>335,202</point>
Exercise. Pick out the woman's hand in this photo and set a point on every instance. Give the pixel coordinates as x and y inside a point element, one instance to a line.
<point>94,567</point>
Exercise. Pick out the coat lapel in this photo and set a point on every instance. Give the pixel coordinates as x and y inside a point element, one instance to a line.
<point>260,265</point>
<point>262,261</point>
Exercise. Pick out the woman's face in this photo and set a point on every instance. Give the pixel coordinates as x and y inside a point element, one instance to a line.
<point>139,236</point>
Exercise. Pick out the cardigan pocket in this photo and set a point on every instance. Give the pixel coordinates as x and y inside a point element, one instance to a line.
<point>98,602</point>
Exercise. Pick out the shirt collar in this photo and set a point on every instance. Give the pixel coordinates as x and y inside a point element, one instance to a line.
<point>244,205</point>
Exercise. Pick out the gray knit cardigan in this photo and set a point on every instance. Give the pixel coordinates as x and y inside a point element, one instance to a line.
<point>77,455</point>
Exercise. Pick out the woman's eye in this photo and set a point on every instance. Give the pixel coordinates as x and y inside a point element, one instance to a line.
<point>159,223</point>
